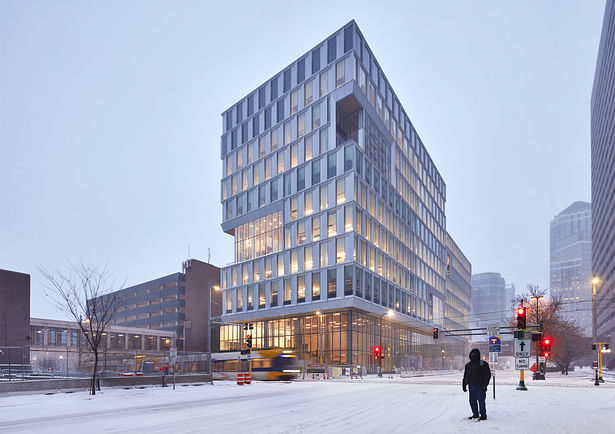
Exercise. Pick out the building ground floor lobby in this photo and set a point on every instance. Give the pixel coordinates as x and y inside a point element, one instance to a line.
<point>347,337</point>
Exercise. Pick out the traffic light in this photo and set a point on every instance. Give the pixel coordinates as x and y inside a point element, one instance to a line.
<point>593,347</point>
<point>377,352</point>
<point>520,317</point>
<point>435,332</point>
<point>546,347</point>
<point>249,341</point>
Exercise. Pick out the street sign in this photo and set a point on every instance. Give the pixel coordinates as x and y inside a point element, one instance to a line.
<point>494,344</point>
<point>522,347</point>
<point>493,357</point>
<point>173,355</point>
<point>541,359</point>
<point>522,363</point>
<point>493,329</point>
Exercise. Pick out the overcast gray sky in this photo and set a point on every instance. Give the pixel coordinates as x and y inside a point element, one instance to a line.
<point>110,121</point>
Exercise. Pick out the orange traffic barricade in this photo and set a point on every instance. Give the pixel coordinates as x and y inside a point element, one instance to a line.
<point>240,378</point>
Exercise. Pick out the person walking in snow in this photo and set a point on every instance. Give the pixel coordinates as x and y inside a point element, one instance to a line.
<point>476,376</point>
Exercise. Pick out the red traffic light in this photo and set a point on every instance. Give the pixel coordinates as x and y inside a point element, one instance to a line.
<point>546,354</point>
<point>521,310</point>
<point>546,341</point>
<point>435,332</point>
<point>377,349</point>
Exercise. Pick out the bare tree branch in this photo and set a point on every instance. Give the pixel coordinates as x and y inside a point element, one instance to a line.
<point>87,295</point>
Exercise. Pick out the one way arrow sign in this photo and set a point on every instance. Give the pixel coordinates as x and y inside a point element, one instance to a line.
<point>522,347</point>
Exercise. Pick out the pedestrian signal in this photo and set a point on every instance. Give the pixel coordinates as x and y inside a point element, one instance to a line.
<point>435,332</point>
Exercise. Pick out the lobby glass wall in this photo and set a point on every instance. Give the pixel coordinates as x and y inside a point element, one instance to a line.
<point>344,338</point>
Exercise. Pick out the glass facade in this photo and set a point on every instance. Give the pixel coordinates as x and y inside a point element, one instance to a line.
<point>361,203</point>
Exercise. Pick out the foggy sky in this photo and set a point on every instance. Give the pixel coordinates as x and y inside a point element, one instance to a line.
<point>110,121</point>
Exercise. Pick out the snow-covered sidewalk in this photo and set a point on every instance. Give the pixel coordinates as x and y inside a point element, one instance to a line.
<point>430,404</point>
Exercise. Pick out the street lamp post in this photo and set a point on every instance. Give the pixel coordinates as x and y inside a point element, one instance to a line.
<point>537,374</point>
<point>216,288</point>
<point>595,281</point>
<point>380,356</point>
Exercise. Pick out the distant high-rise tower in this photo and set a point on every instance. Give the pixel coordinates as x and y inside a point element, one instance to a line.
<point>571,263</point>
<point>603,174</point>
<point>489,299</point>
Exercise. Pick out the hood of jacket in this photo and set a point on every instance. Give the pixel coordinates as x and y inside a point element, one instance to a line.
<point>475,355</point>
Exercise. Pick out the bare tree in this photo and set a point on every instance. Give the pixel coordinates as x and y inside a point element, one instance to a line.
<point>87,295</point>
<point>568,343</point>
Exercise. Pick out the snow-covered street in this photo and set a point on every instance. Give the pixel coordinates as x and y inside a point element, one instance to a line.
<point>433,404</point>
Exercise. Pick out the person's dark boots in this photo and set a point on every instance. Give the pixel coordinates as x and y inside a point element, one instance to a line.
<point>483,417</point>
<point>473,417</point>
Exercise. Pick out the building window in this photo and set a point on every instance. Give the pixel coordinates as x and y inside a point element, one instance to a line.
<point>287,291</point>
<point>268,164</point>
<point>256,271</point>
<point>340,250</point>
<point>308,148</point>
<point>331,224</point>
<point>348,280</point>
<point>301,289</point>
<point>274,190</point>
<point>239,299</point>
<point>256,169</point>
<point>301,125</point>
<point>274,88</point>
<point>294,157</point>
<point>280,110</point>
<point>294,102</point>
<point>294,261</point>
<point>324,89</point>
<point>287,80</point>
<point>308,88</point>
<point>280,156</point>
<point>331,165</point>
<point>339,74</point>
<point>250,298</point>
<point>323,196</point>
<point>324,140</point>
<point>368,286</point>
<point>331,47</point>
<point>259,237</point>
<point>315,116</point>
<point>273,294</point>
<point>315,60</point>
<point>307,203</point>
<point>294,208</point>
<point>332,283</point>
<point>307,258</point>
<point>274,138</point>
<point>315,172</point>
<point>261,296</point>
<point>301,232</point>
<point>324,254</point>
<point>286,184</point>
<point>287,133</point>
<point>281,264</point>
<point>316,228</point>
<point>340,189</point>
<point>268,267</point>
<point>300,71</point>
<point>300,178</point>
<point>348,214</point>
<point>261,97</point>
<point>315,286</point>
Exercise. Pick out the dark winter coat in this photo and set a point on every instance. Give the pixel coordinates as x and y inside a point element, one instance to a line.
<point>476,372</point>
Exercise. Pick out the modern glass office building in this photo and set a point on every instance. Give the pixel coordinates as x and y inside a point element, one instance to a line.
<point>571,263</point>
<point>338,218</point>
<point>603,175</point>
